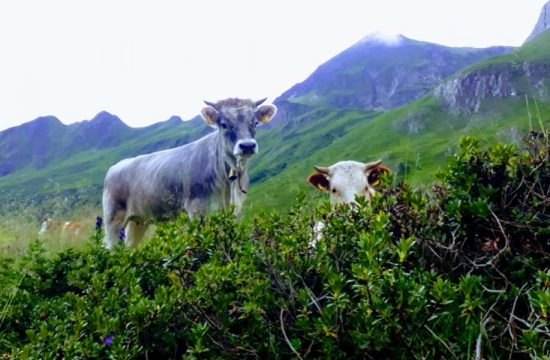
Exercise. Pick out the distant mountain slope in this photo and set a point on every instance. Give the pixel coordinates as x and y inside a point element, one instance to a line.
<point>37,143</point>
<point>29,144</point>
<point>379,75</point>
<point>542,24</point>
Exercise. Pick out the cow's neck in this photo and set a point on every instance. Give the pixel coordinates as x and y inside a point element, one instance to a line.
<point>238,174</point>
<point>235,169</point>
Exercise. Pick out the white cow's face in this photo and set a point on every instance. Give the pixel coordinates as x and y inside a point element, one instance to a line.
<point>347,179</point>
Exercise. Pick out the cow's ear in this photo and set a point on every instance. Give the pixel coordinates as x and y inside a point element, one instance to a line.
<point>265,113</point>
<point>319,181</point>
<point>210,115</point>
<point>374,171</point>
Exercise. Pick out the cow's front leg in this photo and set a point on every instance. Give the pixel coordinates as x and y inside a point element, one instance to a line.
<point>113,230</point>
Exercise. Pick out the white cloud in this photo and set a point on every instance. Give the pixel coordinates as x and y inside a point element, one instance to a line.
<point>391,39</point>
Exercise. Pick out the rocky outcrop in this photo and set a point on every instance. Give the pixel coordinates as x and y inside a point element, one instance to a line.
<point>467,93</point>
<point>542,24</point>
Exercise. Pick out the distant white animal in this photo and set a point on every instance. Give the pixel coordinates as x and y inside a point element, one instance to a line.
<point>344,181</point>
<point>50,226</point>
<point>72,229</point>
<point>56,227</point>
<point>200,177</point>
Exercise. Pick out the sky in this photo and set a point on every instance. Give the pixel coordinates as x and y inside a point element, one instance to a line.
<point>145,61</point>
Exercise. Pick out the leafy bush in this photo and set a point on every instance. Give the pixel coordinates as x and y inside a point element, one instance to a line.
<point>460,272</point>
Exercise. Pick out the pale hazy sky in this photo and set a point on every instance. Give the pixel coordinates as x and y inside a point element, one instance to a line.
<point>148,60</point>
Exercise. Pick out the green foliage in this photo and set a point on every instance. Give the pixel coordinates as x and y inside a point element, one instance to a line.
<point>459,272</point>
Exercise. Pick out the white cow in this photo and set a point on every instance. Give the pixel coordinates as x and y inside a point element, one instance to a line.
<point>60,228</point>
<point>347,179</point>
<point>344,181</point>
<point>50,226</point>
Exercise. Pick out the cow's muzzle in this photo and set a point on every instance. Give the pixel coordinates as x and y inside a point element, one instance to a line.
<point>246,148</point>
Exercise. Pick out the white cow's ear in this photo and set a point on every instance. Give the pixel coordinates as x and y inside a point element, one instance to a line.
<point>210,115</point>
<point>375,172</point>
<point>319,181</point>
<point>265,113</point>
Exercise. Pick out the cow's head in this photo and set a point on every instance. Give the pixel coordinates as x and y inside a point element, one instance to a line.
<point>346,179</point>
<point>237,120</point>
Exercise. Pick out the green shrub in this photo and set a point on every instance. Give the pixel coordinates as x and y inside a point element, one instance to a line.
<point>459,272</point>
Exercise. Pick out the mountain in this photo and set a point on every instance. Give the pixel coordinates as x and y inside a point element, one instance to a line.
<point>36,143</point>
<point>379,74</point>
<point>29,144</point>
<point>542,24</point>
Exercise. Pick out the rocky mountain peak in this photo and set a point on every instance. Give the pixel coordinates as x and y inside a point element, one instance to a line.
<point>42,122</point>
<point>542,24</point>
<point>106,117</point>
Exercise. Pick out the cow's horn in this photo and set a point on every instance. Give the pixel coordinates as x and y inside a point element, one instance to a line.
<point>373,164</point>
<point>211,104</point>
<point>260,102</point>
<point>322,170</point>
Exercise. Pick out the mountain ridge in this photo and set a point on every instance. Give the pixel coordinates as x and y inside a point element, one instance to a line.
<point>40,141</point>
<point>543,23</point>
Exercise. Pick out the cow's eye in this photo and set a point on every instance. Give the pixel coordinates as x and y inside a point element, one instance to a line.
<point>334,191</point>
<point>223,125</point>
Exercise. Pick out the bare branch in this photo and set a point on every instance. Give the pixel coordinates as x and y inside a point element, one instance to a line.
<point>479,338</point>
<point>282,320</point>
<point>441,341</point>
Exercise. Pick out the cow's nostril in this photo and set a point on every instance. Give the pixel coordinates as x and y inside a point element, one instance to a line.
<point>247,147</point>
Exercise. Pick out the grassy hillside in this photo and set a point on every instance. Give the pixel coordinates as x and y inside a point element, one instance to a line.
<point>537,51</point>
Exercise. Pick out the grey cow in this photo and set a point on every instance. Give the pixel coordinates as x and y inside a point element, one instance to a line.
<point>200,177</point>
